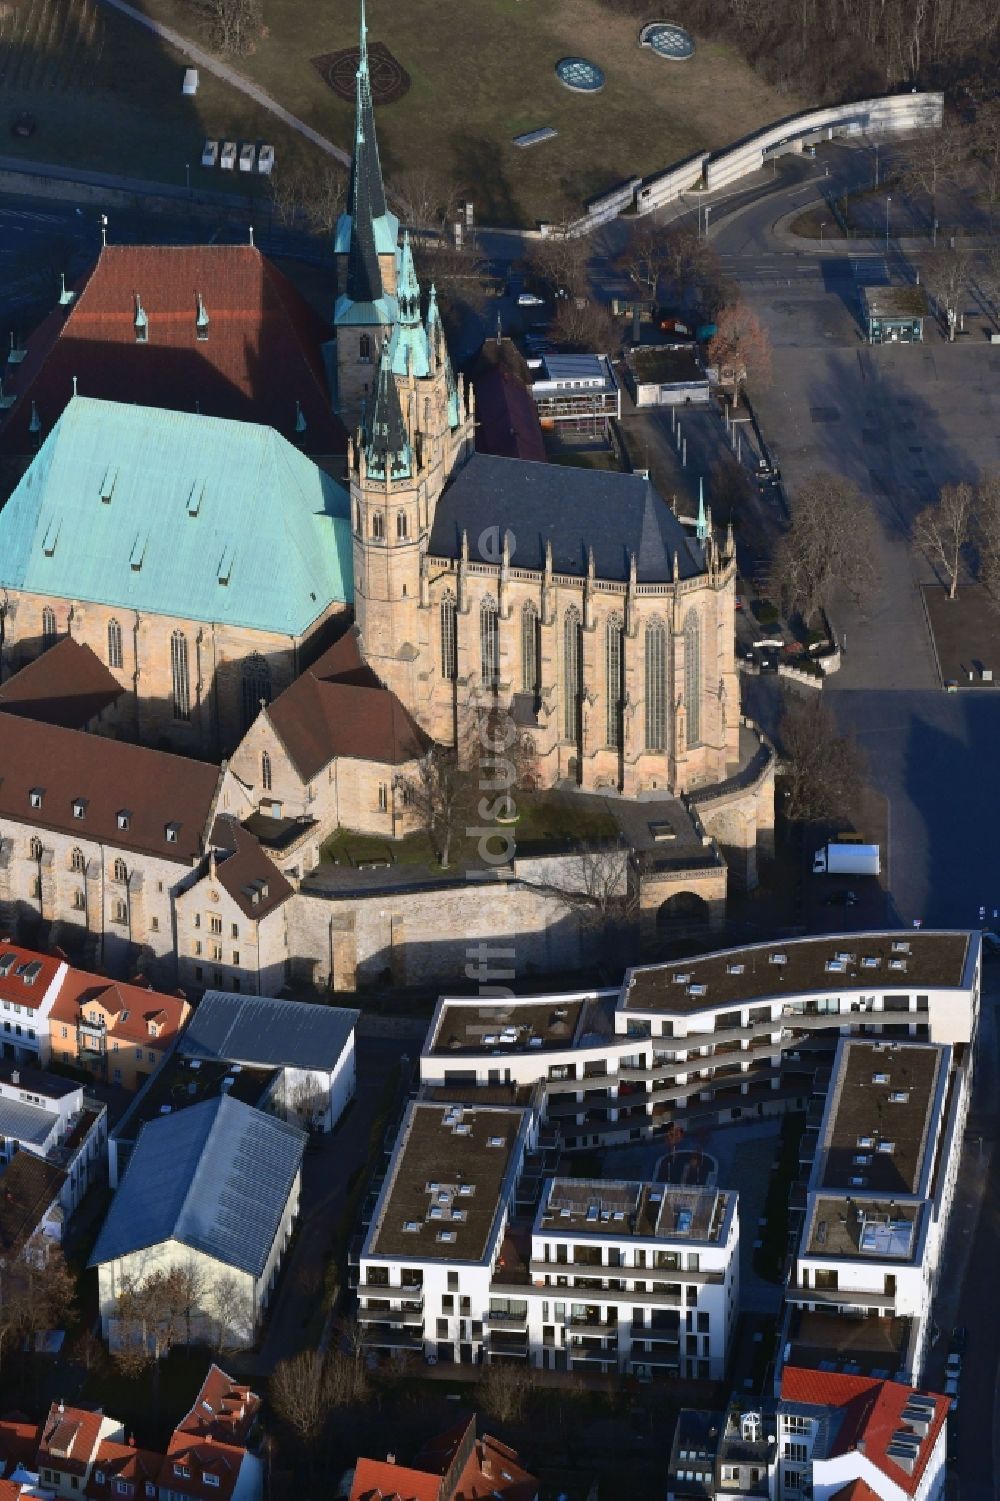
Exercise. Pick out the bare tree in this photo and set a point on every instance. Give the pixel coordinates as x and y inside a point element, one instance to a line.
<point>149,1316</point>
<point>438,796</point>
<point>189,1289</point>
<point>829,544</point>
<point>300,1395</point>
<point>581,323</point>
<point>986,144</point>
<point>740,348</point>
<point>601,886</point>
<point>943,530</point>
<point>234,26</point>
<point>504,1388</point>
<point>501,758</point>
<point>37,1290</point>
<point>229,1308</point>
<point>425,199</point>
<point>558,264</point>
<point>312,197</point>
<point>645,255</point>
<point>946,274</point>
<point>934,158</point>
<point>822,772</point>
<point>307,1101</point>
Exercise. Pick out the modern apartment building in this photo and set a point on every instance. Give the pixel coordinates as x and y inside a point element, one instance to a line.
<point>475,1253</point>
<point>877,1207</point>
<point>719,1037</point>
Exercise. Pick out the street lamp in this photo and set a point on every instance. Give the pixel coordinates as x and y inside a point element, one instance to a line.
<point>875,149</point>
<point>708,210</point>
<point>888,200</point>
<point>821,229</point>
<point>187,174</point>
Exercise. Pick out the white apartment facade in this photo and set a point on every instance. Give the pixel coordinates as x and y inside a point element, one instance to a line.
<point>723,1036</point>
<point>49,1118</point>
<point>461,1263</point>
<point>881,1190</point>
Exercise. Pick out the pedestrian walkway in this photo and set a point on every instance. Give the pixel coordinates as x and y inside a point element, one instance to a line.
<point>230,75</point>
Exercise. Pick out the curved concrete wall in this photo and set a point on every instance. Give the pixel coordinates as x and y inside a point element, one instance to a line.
<point>899,112</point>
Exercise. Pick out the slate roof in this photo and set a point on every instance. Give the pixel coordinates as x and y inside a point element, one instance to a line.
<point>338,707</point>
<point>615,514</point>
<point>67,685</point>
<point>244,869</point>
<point>203,519</point>
<point>215,1176</point>
<point>28,1186</point>
<point>262,354</point>
<point>259,1030</point>
<point>387,440</point>
<point>156,788</point>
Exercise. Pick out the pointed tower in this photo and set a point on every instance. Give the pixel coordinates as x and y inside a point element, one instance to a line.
<point>702,528</point>
<point>366,248</point>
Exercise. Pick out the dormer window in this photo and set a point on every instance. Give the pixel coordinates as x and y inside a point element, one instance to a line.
<point>140,322</point>
<point>172,832</point>
<point>79,807</point>
<point>124,818</point>
<point>201,321</point>
<point>209,1478</point>
<point>35,796</point>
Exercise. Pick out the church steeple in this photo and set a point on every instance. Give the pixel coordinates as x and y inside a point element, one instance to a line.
<point>388,454</point>
<point>408,288</point>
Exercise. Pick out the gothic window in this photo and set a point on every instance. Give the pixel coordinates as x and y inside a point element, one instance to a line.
<point>613,678</point>
<point>531,667</point>
<point>35,848</point>
<point>572,668</point>
<point>378,526</point>
<point>120,870</point>
<point>402,526</point>
<point>365,349</point>
<point>449,639</point>
<point>77,862</point>
<point>115,656</point>
<point>265,771</point>
<point>256,687</point>
<point>692,678</point>
<point>181,682</point>
<point>49,631</point>
<point>656,686</point>
<point>489,644</point>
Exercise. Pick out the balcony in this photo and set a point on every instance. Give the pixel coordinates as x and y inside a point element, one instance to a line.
<point>592,1324</point>
<point>411,1317</point>
<point>384,1337</point>
<point>496,1319</point>
<point>507,1342</point>
<point>593,1358</point>
<point>830,1297</point>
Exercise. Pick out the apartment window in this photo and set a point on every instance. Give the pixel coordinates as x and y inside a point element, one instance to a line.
<point>77,861</point>
<point>449,638</point>
<point>214,923</point>
<point>614,661</point>
<point>64,1031</point>
<point>197,919</point>
<point>796,1451</point>
<point>79,901</point>
<point>453,1282</point>
<point>236,956</point>
<point>181,683</point>
<point>116,656</point>
<point>234,931</point>
<point>447,1303</point>
<point>197,947</point>
<point>120,913</point>
<point>217,953</point>
<point>442,1328</point>
<point>383,797</point>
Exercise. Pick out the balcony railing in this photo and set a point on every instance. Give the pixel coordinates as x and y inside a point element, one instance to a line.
<point>506,1320</point>
<point>409,1316</point>
<point>383,1337</point>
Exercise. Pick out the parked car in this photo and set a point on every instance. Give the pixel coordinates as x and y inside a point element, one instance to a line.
<point>529,299</point>
<point>953,1367</point>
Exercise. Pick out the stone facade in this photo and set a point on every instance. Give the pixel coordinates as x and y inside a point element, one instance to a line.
<point>218,946</point>
<point>229,669</point>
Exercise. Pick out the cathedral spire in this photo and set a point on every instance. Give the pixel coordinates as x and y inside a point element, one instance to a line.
<point>408,287</point>
<point>387,447</point>
<point>702,529</point>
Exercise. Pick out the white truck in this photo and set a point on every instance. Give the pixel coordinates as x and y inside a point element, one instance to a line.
<point>846,859</point>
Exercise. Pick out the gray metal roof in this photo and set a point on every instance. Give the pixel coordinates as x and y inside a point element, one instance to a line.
<point>259,1030</point>
<point>25,1122</point>
<point>615,514</point>
<point>215,1176</point>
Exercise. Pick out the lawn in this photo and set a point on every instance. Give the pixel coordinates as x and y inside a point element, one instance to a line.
<point>106,95</point>
<point>482,72</point>
<point>545,820</point>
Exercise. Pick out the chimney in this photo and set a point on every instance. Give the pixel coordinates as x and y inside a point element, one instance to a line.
<point>15,1077</point>
<point>390,1458</point>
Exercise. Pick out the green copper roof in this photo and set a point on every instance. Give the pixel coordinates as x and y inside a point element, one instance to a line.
<point>178,514</point>
<point>379,314</point>
<point>385,228</point>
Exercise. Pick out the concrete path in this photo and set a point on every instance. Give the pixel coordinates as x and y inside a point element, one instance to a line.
<point>230,75</point>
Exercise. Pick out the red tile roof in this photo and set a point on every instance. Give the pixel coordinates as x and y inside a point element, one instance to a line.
<point>67,685</point>
<point>338,707</point>
<point>189,1459</point>
<point>18,987</point>
<point>376,1480</point>
<point>244,869</point>
<point>69,1438</point>
<point>873,1412</point>
<point>133,1007</point>
<point>111,775</point>
<point>856,1490</point>
<point>262,355</point>
<point>123,1462</point>
<point>18,1438</point>
<point>223,1409</point>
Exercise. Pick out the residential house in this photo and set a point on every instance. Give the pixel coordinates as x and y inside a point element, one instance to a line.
<point>68,1447</point>
<point>214,1187</point>
<point>29,985</point>
<point>50,1118</point>
<point>120,1033</point>
<point>453,1466</point>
